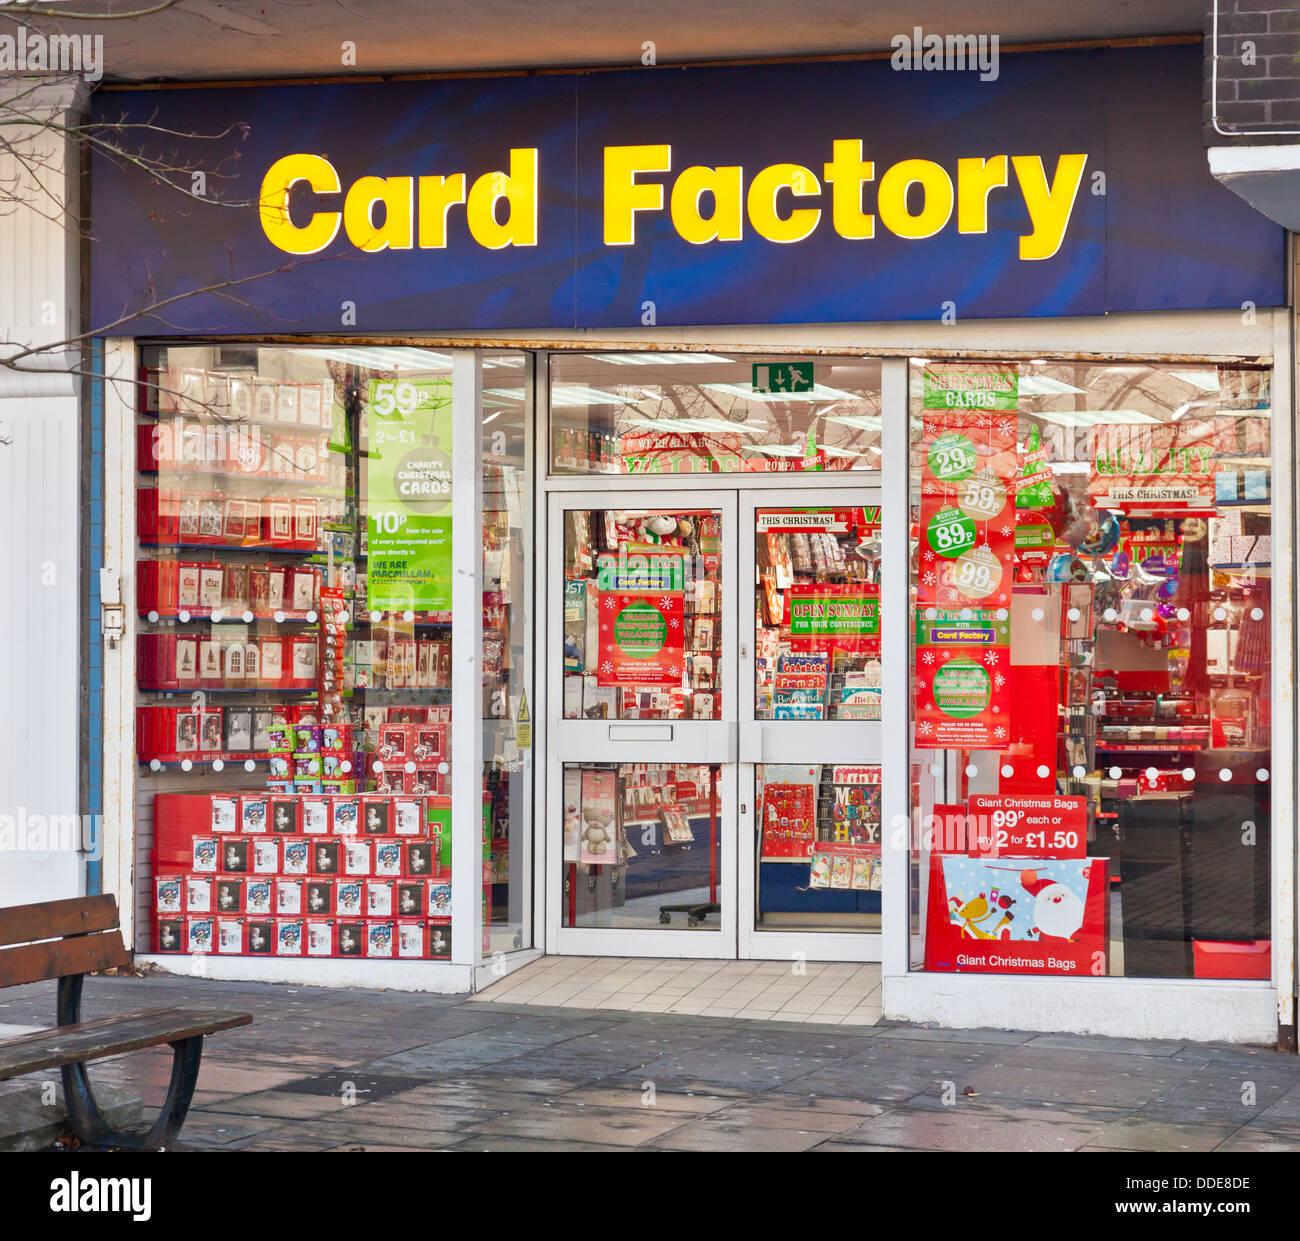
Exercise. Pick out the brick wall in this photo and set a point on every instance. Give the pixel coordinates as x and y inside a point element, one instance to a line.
<point>1259,72</point>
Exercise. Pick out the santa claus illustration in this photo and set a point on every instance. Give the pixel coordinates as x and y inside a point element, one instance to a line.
<point>1058,912</point>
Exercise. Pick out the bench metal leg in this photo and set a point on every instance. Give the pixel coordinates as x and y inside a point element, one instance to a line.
<point>88,1124</point>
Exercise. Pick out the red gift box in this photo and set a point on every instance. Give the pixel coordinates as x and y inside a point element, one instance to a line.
<point>380,938</point>
<point>350,937</point>
<point>320,937</point>
<point>261,937</point>
<point>264,855</point>
<point>198,894</point>
<point>379,898</point>
<point>327,857</point>
<point>200,933</point>
<point>318,898</point>
<point>376,816</point>
<point>234,855</point>
<point>439,939</point>
<point>169,935</point>
<point>1232,959</point>
<point>169,894</point>
<point>411,899</point>
<point>345,815</point>
<point>358,857</point>
<point>418,859</point>
<point>228,895</point>
<point>288,897</point>
<point>412,937</point>
<point>286,815</point>
<point>232,936</point>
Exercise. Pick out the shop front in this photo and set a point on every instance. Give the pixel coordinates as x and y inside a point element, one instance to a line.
<point>607,536</point>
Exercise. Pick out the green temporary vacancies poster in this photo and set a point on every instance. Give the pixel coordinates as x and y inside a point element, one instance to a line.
<point>408,500</point>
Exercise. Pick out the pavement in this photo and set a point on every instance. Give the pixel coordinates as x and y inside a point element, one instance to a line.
<point>361,1070</point>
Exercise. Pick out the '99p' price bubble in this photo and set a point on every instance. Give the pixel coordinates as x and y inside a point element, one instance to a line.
<point>976,573</point>
<point>950,533</point>
<point>951,457</point>
<point>982,496</point>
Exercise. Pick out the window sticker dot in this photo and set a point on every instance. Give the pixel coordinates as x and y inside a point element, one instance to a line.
<point>247,618</point>
<point>1110,614</point>
<point>1256,613</point>
<point>346,764</point>
<point>1152,775</point>
<point>1043,771</point>
<point>376,617</point>
<point>1115,773</point>
<point>279,618</point>
<point>218,615</point>
<point>409,767</point>
<point>249,765</point>
<point>153,616</point>
<point>311,617</point>
<point>408,616</point>
<point>1079,773</point>
<point>1002,614</point>
<point>931,613</point>
<point>1184,614</point>
<point>155,765</point>
<point>1189,774</point>
<point>183,616</point>
<point>1224,774</point>
<point>378,767</point>
<point>1008,770</point>
<point>187,765</point>
<point>1037,614</point>
<point>1262,774</point>
<point>1220,613</point>
<point>218,764</point>
<point>972,770</point>
<point>443,768</point>
<point>1073,614</point>
<point>936,769</point>
<point>1146,614</point>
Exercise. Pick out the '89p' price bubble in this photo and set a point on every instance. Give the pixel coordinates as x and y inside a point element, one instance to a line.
<point>982,496</point>
<point>976,573</point>
<point>951,457</point>
<point>950,533</point>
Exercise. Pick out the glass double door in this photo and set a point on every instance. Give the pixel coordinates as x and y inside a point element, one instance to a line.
<point>713,733</point>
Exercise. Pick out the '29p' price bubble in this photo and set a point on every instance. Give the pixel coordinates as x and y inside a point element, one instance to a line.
<point>950,533</point>
<point>982,496</point>
<point>951,457</point>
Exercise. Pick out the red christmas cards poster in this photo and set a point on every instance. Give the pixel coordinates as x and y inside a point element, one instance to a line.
<point>641,640</point>
<point>789,812</point>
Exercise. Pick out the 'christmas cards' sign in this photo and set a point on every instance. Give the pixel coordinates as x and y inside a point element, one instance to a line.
<point>962,686</point>
<point>641,638</point>
<point>1017,916</point>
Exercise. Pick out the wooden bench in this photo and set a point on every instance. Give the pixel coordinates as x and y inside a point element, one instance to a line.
<point>66,940</point>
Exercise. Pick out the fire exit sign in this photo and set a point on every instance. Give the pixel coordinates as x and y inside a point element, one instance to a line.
<point>783,376</point>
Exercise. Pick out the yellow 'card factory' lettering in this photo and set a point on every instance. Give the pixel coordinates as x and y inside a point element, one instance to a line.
<point>783,203</point>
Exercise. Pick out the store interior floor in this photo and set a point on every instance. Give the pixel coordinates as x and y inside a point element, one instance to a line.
<point>828,993</point>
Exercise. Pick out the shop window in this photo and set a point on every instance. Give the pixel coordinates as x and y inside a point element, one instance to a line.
<point>507,654</point>
<point>642,846</point>
<point>1091,706</point>
<point>703,413</point>
<point>295,650</point>
<point>643,612</point>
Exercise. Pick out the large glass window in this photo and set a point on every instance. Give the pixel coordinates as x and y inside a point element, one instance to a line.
<point>507,653</point>
<point>702,413</point>
<point>295,648</point>
<point>1091,707</point>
